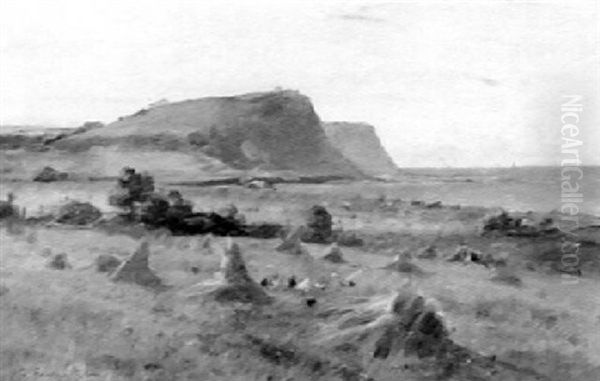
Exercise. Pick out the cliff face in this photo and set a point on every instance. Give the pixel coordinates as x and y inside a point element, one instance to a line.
<point>359,143</point>
<point>269,131</point>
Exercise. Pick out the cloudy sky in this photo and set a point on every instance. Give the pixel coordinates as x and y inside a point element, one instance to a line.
<point>446,83</point>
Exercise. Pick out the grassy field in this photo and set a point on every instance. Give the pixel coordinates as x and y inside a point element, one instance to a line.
<point>76,324</point>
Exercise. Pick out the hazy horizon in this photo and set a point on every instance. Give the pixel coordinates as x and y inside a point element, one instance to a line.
<point>485,92</point>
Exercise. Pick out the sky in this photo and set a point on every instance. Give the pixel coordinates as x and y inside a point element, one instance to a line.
<point>445,83</point>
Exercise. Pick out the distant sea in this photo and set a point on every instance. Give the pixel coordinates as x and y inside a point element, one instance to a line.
<point>517,188</point>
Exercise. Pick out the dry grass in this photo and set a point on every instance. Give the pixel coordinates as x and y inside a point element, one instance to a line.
<point>84,325</point>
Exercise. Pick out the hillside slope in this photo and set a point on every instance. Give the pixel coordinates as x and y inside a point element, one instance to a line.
<point>271,131</point>
<point>359,143</point>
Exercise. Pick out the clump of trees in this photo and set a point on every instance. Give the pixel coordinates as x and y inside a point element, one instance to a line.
<point>136,195</point>
<point>133,189</point>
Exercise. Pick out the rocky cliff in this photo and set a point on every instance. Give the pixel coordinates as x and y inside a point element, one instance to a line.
<point>359,143</point>
<point>271,131</point>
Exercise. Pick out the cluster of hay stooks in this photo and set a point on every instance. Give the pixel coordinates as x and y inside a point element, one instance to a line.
<point>235,283</point>
<point>413,325</point>
<point>464,254</point>
<point>409,323</point>
<point>135,269</point>
<point>523,225</point>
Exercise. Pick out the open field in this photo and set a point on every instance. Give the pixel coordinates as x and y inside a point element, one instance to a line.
<point>299,191</point>
<point>76,323</point>
<point>523,189</point>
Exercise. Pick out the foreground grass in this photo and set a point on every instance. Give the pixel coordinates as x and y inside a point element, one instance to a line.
<point>76,324</point>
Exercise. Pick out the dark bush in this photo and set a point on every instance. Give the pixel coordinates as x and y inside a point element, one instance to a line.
<point>78,213</point>
<point>318,225</point>
<point>198,139</point>
<point>49,174</point>
<point>7,209</point>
